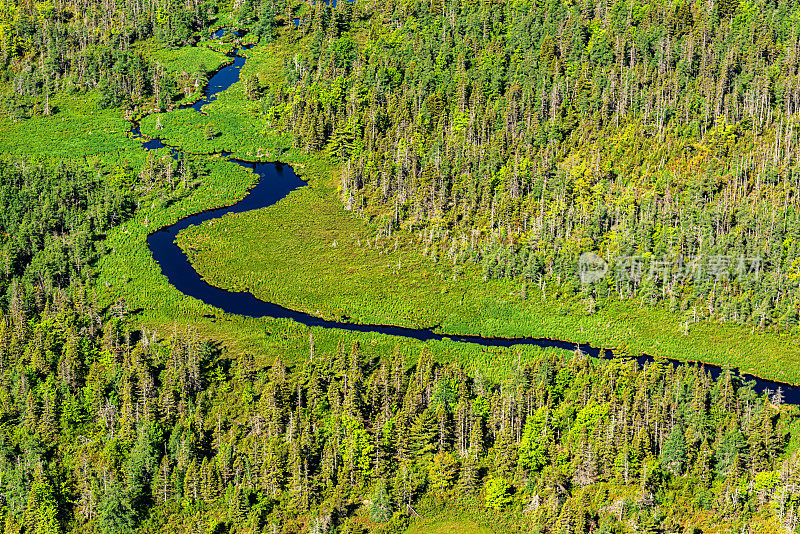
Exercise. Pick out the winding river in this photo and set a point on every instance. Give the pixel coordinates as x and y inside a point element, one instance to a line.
<point>276,180</point>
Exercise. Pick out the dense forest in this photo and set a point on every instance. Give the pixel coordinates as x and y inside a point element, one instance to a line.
<point>521,134</point>
<point>107,427</point>
<point>52,222</point>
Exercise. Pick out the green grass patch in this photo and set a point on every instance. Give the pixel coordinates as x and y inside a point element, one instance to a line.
<point>234,127</point>
<point>457,517</point>
<point>78,127</point>
<point>190,58</point>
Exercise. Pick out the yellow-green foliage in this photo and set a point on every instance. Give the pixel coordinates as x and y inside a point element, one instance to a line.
<point>448,527</point>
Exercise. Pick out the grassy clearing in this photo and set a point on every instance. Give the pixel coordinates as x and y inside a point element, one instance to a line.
<point>238,128</point>
<point>452,518</point>
<point>190,58</point>
<point>76,128</point>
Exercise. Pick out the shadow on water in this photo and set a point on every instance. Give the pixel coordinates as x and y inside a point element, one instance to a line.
<point>276,180</point>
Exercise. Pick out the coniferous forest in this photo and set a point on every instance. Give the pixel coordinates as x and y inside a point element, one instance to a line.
<point>520,134</point>
<point>455,155</point>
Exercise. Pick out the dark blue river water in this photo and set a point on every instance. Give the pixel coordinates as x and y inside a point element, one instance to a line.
<point>276,180</point>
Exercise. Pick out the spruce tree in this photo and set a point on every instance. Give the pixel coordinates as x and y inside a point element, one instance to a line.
<point>381,507</point>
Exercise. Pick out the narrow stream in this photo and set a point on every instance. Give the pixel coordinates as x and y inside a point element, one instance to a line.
<point>276,180</point>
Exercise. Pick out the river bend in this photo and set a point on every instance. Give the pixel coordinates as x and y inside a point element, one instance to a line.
<point>275,181</point>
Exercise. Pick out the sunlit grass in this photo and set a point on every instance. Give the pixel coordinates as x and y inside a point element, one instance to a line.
<point>190,58</point>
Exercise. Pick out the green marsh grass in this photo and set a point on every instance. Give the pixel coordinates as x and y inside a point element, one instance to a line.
<point>78,127</point>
